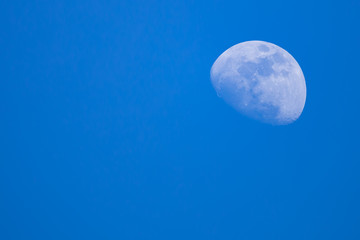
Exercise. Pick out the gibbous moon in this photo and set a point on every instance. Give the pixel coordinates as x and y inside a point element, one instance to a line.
<point>260,80</point>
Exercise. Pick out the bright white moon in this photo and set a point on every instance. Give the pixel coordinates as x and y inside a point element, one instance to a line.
<point>261,81</point>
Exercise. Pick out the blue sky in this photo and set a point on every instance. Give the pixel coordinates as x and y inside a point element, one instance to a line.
<point>110,128</point>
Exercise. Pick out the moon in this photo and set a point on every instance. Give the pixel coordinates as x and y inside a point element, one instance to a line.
<point>260,80</point>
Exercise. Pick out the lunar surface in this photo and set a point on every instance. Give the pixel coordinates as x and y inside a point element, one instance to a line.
<point>262,81</point>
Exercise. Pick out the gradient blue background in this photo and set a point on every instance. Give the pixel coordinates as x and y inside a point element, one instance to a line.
<point>110,128</point>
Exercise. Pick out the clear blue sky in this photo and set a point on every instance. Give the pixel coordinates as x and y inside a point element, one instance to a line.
<point>110,128</point>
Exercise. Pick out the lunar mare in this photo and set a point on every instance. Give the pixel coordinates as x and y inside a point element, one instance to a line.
<point>260,80</point>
